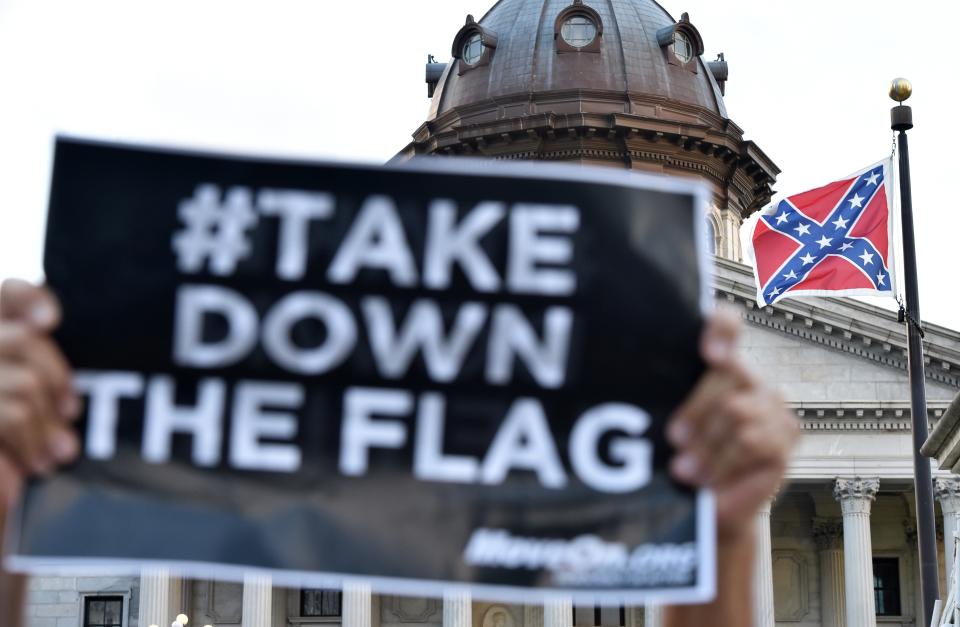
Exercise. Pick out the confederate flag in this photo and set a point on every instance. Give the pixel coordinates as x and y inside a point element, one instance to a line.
<point>831,241</point>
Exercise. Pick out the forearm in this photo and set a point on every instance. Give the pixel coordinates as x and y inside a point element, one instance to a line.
<point>734,602</point>
<point>12,591</point>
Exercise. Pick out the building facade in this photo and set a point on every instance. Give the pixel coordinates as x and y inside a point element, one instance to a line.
<point>621,83</point>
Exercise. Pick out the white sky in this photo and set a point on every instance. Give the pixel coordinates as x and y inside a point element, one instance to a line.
<point>319,78</point>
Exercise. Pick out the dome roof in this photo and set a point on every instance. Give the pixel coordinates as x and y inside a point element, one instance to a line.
<point>617,83</point>
<point>632,65</point>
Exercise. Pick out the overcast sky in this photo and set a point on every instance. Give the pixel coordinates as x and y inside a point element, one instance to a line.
<point>317,78</point>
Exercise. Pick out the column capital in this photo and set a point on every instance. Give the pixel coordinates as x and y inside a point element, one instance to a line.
<point>947,490</point>
<point>855,494</point>
<point>828,533</point>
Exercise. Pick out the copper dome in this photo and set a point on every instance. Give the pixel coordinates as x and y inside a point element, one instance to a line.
<point>630,89</point>
<point>633,67</point>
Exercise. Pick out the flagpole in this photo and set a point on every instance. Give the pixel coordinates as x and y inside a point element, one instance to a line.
<point>901,120</point>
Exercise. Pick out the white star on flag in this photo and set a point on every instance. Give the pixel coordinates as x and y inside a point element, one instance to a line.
<point>790,275</point>
<point>881,278</point>
<point>807,259</point>
<point>803,229</point>
<point>782,218</point>
<point>856,201</point>
<point>867,258</point>
<point>846,246</point>
<point>775,291</point>
<point>872,179</point>
<point>840,222</point>
<point>824,241</point>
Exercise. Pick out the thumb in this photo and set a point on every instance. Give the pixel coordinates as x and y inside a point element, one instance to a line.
<point>25,302</point>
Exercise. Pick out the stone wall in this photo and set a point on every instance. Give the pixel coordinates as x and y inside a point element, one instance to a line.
<point>58,601</point>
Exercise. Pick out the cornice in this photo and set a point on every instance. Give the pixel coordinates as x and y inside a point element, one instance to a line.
<point>681,136</point>
<point>855,416</point>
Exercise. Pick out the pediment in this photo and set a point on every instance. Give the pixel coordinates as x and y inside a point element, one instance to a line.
<point>848,342</point>
<point>813,367</point>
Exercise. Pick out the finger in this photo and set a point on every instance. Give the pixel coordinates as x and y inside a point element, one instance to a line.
<point>704,464</point>
<point>23,402</point>
<point>21,385</point>
<point>740,412</point>
<point>39,354</point>
<point>743,430</point>
<point>31,304</point>
<point>705,401</point>
<point>701,406</point>
<point>63,445</point>
<point>718,341</point>
<point>751,429</point>
<point>22,437</point>
<point>752,448</point>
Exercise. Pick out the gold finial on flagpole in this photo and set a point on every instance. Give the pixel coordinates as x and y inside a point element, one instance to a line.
<point>900,89</point>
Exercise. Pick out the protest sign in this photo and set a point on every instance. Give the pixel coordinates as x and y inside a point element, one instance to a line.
<point>442,372</point>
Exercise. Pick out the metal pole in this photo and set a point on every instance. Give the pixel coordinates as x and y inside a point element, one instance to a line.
<point>901,120</point>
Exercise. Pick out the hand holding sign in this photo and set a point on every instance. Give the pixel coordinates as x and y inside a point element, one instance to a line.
<point>36,397</point>
<point>733,433</point>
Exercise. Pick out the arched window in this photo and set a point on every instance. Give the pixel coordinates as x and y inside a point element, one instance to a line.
<point>710,235</point>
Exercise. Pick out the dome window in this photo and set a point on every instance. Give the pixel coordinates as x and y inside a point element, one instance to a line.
<point>473,46</point>
<point>578,29</point>
<point>682,47</point>
<point>681,43</point>
<point>473,49</point>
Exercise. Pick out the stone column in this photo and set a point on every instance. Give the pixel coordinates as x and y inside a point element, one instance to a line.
<point>557,612</point>
<point>533,615</point>
<point>947,490</point>
<point>457,608</point>
<point>159,597</point>
<point>652,616</point>
<point>856,495</point>
<point>828,535</point>
<point>357,604</point>
<point>763,571</point>
<point>257,601</point>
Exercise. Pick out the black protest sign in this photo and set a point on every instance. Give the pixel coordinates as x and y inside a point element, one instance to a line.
<point>442,372</point>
